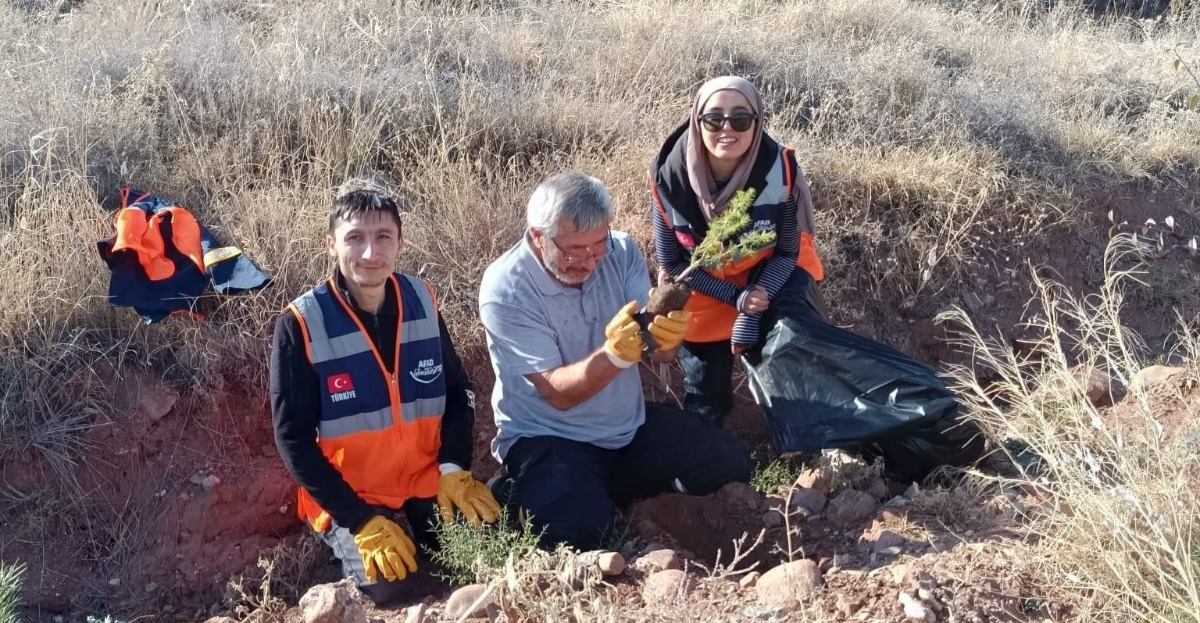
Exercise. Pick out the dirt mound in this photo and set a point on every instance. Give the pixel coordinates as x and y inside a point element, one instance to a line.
<point>704,529</point>
<point>173,497</point>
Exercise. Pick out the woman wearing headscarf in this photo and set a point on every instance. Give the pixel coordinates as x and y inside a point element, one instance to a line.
<point>720,150</point>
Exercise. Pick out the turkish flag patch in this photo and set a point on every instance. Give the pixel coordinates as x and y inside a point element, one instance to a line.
<point>339,383</point>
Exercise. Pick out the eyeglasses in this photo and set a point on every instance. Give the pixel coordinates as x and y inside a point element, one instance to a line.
<point>738,121</point>
<point>576,255</point>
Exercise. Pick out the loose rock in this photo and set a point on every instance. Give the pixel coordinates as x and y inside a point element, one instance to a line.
<point>415,614</point>
<point>847,606</point>
<point>850,507</point>
<point>669,586</point>
<point>611,563</point>
<point>886,540</point>
<point>788,583</point>
<point>915,610</point>
<point>466,602</point>
<point>749,580</point>
<point>331,603</point>
<point>1096,384</point>
<point>877,489</point>
<point>813,479</point>
<point>1156,375</point>
<point>810,500</point>
<point>760,612</point>
<point>658,560</point>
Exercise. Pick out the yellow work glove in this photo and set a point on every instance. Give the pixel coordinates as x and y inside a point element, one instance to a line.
<point>459,490</point>
<point>669,330</point>
<point>386,549</point>
<point>623,338</point>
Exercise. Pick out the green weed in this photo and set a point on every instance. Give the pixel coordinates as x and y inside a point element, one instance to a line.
<point>466,553</point>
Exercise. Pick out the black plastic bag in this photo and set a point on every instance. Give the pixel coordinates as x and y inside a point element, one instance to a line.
<point>820,386</point>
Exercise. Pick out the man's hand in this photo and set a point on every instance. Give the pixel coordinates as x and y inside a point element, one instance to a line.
<point>458,490</point>
<point>386,549</point>
<point>669,330</point>
<point>623,343</point>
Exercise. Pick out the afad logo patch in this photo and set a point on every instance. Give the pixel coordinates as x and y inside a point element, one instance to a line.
<point>341,387</point>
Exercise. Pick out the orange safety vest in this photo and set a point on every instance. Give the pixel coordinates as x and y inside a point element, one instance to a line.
<point>141,233</point>
<point>712,320</point>
<point>380,430</point>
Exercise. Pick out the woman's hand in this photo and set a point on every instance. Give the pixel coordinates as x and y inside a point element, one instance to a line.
<point>754,301</point>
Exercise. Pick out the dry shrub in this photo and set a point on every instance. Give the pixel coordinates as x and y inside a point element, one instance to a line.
<point>1119,529</point>
<point>284,572</point>
<point>555,587</point>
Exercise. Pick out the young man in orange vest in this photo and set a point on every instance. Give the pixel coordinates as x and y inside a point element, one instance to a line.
<point>371,407</point>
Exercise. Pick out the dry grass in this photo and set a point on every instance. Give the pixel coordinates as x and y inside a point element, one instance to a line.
<point>931,131</point>
<point>1119,531</point>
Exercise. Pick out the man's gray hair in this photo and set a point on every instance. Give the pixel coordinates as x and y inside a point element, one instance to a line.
<point>571,195</point>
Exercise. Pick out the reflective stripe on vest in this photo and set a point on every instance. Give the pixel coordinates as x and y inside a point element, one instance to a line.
<point>349,358</point>
<point>764,213</point>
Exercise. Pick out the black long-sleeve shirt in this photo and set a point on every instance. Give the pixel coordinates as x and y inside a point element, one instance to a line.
<point>296,408</point>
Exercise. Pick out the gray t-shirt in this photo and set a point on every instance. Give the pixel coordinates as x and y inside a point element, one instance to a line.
<point>535,324</point>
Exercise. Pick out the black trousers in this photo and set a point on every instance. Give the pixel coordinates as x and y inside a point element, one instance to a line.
<point>708,366</point>
<point>569,490</point>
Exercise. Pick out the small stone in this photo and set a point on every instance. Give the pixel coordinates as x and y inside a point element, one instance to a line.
<point>761,612</point>
<point>877,489</point>
<point>468,602</point>
<point>915,610</point>
<point>331,603</point>
<point>847,606</point>
<point>114,582</point>
<point>151,587</point>
<point>772,519</point>
<point>220,620</point>
<point>208,481</point>
<point>894,550</point>
<point>658,560</point>
<point>668,586</point>
<point>611,563</point>
<point>811,500</point>
<point>813,479</point>
<point>788,583</point>
<point>850,507</point>
<point>887,539</point>
<point>749,580</point>
<point>1096,384</point>
<point>900,573</point>
<point>1156,375</point>
<point>842,560</point>
<point>415,614</point>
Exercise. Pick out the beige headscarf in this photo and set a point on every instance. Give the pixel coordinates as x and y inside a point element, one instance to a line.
<point>699,174</point>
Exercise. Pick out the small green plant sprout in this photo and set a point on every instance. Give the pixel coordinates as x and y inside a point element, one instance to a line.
<point>726,242</point>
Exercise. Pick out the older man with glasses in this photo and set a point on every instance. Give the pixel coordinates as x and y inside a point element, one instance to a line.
<point>574,432</point>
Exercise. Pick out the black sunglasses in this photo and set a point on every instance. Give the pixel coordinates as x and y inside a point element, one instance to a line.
<point>738,121</point>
